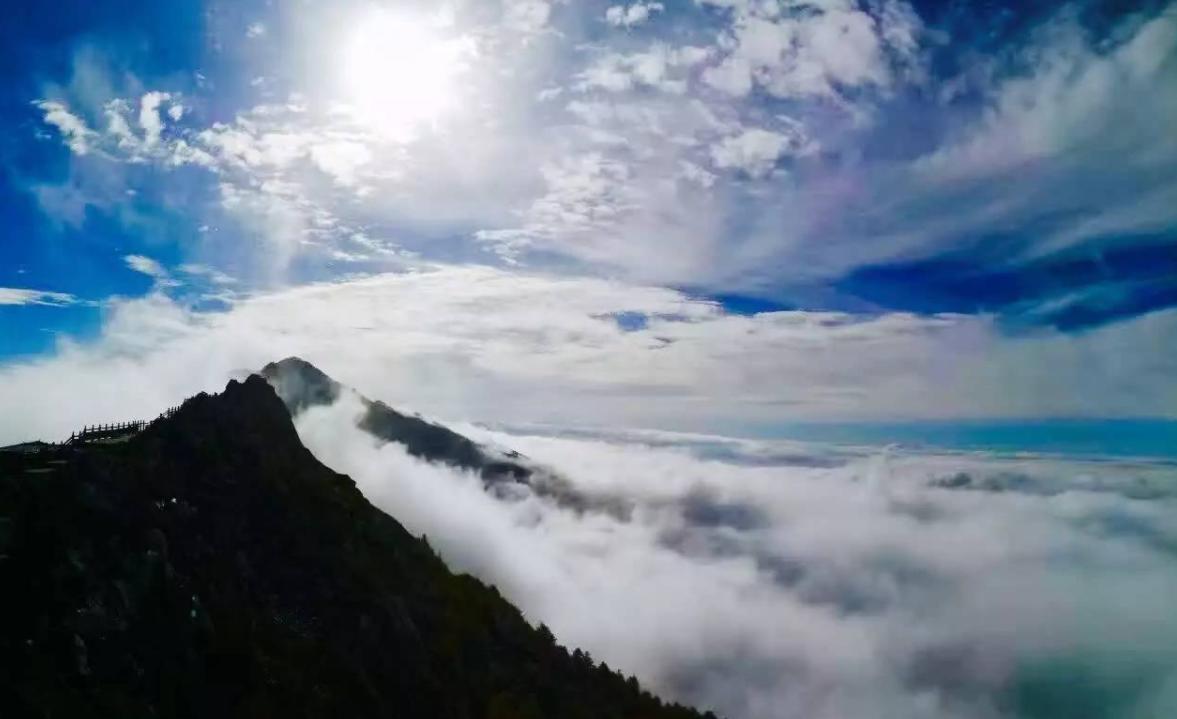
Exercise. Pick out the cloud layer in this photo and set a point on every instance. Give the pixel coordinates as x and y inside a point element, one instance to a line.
<point>777,580</point>
<point>504,346</point>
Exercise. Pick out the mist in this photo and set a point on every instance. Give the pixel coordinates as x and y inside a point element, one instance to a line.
<point>772,579</point>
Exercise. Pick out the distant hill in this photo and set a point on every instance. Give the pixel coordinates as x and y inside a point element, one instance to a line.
<point>212,567</point>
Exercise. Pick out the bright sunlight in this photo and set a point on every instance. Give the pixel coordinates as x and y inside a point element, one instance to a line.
<point>400,73</point>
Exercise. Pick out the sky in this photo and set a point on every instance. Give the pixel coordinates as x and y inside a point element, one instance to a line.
<point>704,260</point>
<point>705,215</point>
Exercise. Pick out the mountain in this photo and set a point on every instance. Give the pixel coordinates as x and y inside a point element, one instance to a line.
<point>211,566</point>
<point>303,386</point>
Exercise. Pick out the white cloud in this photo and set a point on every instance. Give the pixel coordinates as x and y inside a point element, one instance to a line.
<point>117,126</point>
<point>341,160</point>
<point>484,344</point>
<point>72,128</point>
<point>822,582</point>
<point>153,269</point>
<point>149,118</point>
<point>526,16</point>
<point>661,67</point>
<point>756,151</point>
<point>631,15</point>
<point>818,50</point>
<point>19,296</point>
<point>176,111</point>
<point>1054,111</point>
<point>626,175</point>
<point>255,30</point>
<point>210,273</point>
<point>1066,100</point>
<point>146,265</point>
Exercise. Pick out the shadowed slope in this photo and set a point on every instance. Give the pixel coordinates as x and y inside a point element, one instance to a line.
<point>213,567</point>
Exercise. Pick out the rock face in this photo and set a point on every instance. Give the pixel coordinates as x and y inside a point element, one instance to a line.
<point>212,567</point>
<point>301,386</point>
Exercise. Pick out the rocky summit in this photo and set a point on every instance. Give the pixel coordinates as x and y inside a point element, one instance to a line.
<point>210,566</point>
<point>302,386</point>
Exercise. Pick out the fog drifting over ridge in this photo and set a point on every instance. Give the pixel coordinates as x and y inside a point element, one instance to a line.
<point>786,580</point>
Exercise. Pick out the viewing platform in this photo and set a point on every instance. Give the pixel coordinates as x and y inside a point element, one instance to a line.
<point>109,433</point>
<point>91,434</point>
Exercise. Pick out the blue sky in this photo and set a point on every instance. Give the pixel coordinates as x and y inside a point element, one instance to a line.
<point>989,188</point>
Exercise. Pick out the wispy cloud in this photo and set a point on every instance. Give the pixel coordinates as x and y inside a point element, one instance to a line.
<point>754,149</point>
<point>18,296</point>
<point>633,14</point>
<point>72,128</point>
<point>147,266</point>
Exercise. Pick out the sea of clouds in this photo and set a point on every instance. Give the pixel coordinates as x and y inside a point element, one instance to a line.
<point>764,579</point>
<point>778,579</point>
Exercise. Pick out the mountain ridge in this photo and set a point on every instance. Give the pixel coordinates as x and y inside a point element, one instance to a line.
<point>303,386</point>
<point>212,566</point>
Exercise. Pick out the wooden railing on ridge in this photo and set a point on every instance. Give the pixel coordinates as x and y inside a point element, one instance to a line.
<point>99,432</point>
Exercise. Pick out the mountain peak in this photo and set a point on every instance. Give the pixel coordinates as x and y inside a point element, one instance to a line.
<point>212,566</point>
<point>247,412</point>
<point>300,384</point>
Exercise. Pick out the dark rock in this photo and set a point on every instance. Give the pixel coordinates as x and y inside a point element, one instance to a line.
<point>301,386</point>
<point>215,568</point>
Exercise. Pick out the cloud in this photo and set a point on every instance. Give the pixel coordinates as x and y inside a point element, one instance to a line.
<point>341,160</point>
<point>1052,112</point>
<point>661,67</point>
<point>19,296</point>
<point>628,16</point>
<point>153,269</point>
<point>492,345</point>
<point>756,151</point>
<point>147,266</point>
<point>823,582</point>
<point>149,118</point>
<point>820,50</point>
<point>255,30</point>
<point>526,16</point>
<point>213,275</point>
<point>640,146</point>
<point>72,128</point>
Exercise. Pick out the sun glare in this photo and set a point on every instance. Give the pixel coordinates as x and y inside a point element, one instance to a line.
<point>400,72</point>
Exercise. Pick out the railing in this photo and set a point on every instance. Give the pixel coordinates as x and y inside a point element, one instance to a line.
<point>106,431</point>
<point>167,413</point>
<point>98,432</point>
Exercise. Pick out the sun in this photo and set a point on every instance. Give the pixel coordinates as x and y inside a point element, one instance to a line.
<point>400,72</point>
